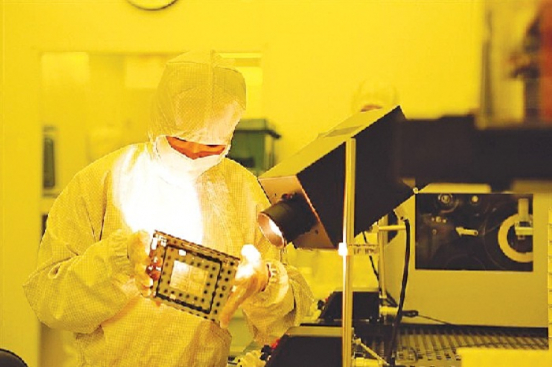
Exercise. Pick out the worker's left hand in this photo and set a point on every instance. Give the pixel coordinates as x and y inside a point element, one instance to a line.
<point>252,277</point>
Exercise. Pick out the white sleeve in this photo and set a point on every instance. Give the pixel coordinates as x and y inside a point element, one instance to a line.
<point>81,280</point>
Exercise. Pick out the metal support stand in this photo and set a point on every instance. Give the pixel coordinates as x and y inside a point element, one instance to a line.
<point>347,250</point>
<point>348,238</point>
<point>382,242</point>
<point>383,229</point>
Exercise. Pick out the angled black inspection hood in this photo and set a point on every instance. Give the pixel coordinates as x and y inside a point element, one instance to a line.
<point>317,173</point>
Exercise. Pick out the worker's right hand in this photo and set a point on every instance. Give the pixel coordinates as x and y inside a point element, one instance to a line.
<point>138,254</point>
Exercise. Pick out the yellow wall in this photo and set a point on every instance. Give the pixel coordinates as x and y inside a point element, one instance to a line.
<point>2,327</point>
<point>314,54</point>
<point>21,146</point>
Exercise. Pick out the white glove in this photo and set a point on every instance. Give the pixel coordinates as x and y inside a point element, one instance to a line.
<point>252,277</point>
<point>138,254</point>
<point>251,359</point>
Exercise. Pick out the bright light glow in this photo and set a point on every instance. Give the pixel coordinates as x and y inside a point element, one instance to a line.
<point>274,229</point>
<point>252,260</point>
<point>343,250</point>
<point>154,243</point>
<point>251,254</point>
<point>189,279</point>
<point>245,271</point>
<point>148,202</point>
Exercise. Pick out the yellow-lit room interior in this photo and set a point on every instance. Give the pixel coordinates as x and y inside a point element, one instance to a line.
<point>82,74</point>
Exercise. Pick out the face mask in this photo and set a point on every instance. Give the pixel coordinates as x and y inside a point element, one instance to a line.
<point>176,167</point>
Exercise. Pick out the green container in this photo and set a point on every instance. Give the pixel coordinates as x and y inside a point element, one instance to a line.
<point>253,145</point>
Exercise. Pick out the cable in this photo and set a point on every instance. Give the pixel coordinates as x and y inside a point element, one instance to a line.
<point>397,320</point>
<point>433,319</point>
<point>374,267</point>
<point>390,298</point>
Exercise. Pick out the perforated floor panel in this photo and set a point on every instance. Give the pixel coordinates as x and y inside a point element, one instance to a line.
<point>436,346</point>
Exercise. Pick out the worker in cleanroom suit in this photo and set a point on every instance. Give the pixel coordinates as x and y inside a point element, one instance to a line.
<point>92,257</point>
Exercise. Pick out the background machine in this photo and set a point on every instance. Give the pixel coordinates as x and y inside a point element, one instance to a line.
<point>479,259</point>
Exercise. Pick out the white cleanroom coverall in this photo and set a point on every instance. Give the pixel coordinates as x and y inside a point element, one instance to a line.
<point>84,280</point>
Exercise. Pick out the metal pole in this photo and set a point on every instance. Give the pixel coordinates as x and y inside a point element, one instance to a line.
<point>348,239</point>
<point>382,242</point>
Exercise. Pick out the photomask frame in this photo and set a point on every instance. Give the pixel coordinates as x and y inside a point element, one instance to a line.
<point>190,277</point>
